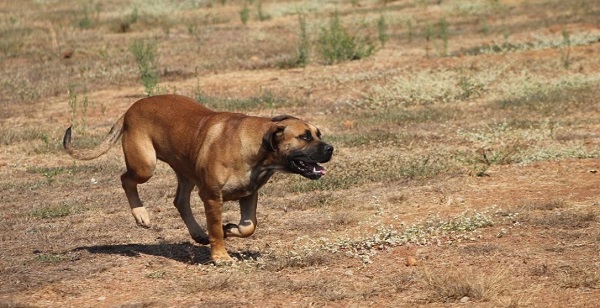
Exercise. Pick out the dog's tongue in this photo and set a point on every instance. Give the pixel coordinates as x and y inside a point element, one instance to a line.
<point>318,169</point>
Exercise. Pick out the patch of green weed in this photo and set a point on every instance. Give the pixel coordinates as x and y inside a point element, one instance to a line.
<point>338,44</point>
<point>146,57</point>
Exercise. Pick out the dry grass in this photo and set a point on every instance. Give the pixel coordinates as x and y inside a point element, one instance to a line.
<point>465,284</point>
<point>469,142</point>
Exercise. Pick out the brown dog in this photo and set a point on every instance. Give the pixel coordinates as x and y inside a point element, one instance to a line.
<point>228,156</point>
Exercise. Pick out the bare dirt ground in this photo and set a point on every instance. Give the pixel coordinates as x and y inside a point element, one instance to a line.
<point>466,169</point>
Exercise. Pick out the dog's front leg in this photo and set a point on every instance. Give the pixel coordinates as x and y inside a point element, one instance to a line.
<point>213,210</point>
<point>248,220</point>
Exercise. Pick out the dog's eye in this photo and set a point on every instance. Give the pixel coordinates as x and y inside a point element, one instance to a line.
<point>306,137</point>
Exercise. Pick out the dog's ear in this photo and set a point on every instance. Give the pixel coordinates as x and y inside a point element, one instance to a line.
<point>271,137</point>
<point>282,117</point>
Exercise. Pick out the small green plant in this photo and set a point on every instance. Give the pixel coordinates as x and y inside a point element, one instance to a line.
<point>565,50</point>
<point>437,32</point>
<point>245,14</point>
<point>85,22</point>
<point>126,23</point>
<point>146,56</point>
<point>410,30</point>
<point>485,26</point>
<point>382,27</point>
<point>262,16</point>
<point>72,102</point>
<point>303,52</point>
<point>133,16</point>
<point>156,274</point>
<point>442,34</point>
<point>338,45</point>
<point>50,173</point>
<point>304,46</point>
<point>49,257</point>
<point>78,109</point>
<point>469,87</point>
<point>428,38</point>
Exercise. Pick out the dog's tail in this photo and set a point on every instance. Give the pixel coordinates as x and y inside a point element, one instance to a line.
<point>86,154</point>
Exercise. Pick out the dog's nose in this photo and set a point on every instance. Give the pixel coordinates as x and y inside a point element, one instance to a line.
<point>328,149</point>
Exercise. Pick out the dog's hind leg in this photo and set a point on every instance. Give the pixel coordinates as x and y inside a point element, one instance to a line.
<point>140,158</point>
<point>182,203</point>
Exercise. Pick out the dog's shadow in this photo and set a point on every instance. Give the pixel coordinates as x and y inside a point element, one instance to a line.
<point>182,252</point>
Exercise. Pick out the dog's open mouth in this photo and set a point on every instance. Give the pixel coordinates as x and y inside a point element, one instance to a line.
<point>310,170</point>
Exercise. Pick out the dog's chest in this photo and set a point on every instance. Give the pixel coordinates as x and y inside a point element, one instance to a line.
<point>238,187</point>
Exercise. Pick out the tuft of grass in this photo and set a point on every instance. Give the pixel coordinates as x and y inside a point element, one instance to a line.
<point>156,274</point>
<point>579,276</point>
<point>49,257</point>
<point>125,23</point>
<point>566,219</point>
<point>266,99</point>
<point>382,29</point>
<point>245,14</point>
<point>304,45</point>
<point>442,35</point>
<point>10,135</point>
<point>297,259</point>
<point>410,30</point>
<point>260,13</point>
<point>565,51</point>
<point>547,205</point>
<point>426,87</point>
<point>452,285</point>
<point>50,173</point>
<point>62,210</point>
<point>563,42</point>
<point>485,157</point>
<point>302,57</point>
<point>85,22</point>
<point>79,109</point>
<point>377,168</point>
<point>214,282</point>
<point>550,97</point>
<point>145,52</point>
<point>376,137</point>
<point>337,44</point>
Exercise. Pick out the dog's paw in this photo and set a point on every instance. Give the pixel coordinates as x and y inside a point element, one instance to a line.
<point>201,239</point>
<point>222,259</point>
<point>141,217</point>
<point>230,230</point>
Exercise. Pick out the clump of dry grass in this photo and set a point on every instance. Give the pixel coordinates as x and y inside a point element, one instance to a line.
<point>218,281</point>
<point>464,284</point>
<point>579,276</point>
<point>569,219</point>
<point>546,205</point>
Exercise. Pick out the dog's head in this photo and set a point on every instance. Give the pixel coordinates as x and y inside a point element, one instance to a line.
<point>298,146</point>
